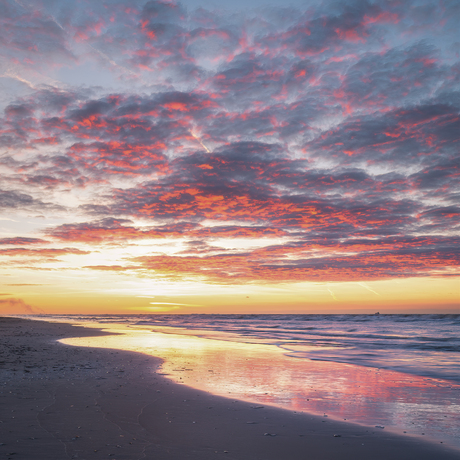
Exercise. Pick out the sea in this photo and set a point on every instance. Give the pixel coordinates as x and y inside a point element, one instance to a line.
<point>399,372</point>
<point>424,345</point>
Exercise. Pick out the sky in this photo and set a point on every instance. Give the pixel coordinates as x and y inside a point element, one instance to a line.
<point>229,157</point>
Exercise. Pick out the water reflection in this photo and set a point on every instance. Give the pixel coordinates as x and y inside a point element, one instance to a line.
<point>263,374</point>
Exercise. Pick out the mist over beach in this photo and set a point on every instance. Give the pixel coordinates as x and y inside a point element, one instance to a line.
<point>229,229</point>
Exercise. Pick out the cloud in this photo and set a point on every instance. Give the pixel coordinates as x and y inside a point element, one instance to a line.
<point>48,252</point>
<point>17,307</point>
<point>13,200</point>
<point>332,129</point>
<point>25,284</point>
<point>21,241</point>
<point>26,257</point>
<point>172,303</point>
<point>368,259</point>
<point>113,230</point>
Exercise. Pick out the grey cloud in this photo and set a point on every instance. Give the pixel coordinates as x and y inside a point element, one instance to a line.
<point>10,199</point>
<point>331,125</point>
<point>21,241</point>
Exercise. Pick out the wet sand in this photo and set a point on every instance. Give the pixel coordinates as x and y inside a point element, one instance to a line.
<point>60,402</point>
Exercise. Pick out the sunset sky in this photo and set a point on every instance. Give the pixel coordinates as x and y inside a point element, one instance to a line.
<point>238,156</point>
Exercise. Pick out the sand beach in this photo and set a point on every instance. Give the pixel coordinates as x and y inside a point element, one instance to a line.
<point>60,402</point>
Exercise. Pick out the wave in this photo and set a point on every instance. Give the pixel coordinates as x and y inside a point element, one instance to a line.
<point>422,344</point>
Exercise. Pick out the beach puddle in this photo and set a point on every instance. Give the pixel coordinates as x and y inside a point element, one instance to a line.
<point>382,399</point>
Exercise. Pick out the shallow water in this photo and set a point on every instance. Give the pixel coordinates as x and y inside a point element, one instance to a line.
<point>265,374</point>
<point>424,345</point>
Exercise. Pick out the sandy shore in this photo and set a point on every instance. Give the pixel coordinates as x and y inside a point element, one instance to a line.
<point>59,402</point>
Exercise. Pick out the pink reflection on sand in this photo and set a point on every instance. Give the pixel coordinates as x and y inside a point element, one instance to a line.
<point>262,374</point>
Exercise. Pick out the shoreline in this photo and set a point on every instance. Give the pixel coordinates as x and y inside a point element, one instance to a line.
<point>89,403</point>
<point>290,348</point>
<point>404,404</point>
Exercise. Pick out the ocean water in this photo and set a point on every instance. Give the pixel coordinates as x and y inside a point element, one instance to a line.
<point>424,345</point>
<point>400,373</point>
